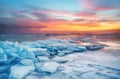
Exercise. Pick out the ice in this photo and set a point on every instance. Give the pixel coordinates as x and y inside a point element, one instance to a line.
<point>60,59</point>
<point>4,75</point>
<point>3,57</point>
<point>33,75</point>
<point>27,62</point>
<point>41,52</point>
<point>1,50</point>
<point>38,51</point>
<point>95,47</point>
<point>11,49</point>
<point>26,54</point>
<point>56,59</point>
<point>61,53</point>
<point>10,59</point>
<point>20,71</point>
<point>38,66</point>
<point>4,68</point>
<point>65,48</point>
<point>50,67</point>
<point>54,47</point>
<point>43,59</point>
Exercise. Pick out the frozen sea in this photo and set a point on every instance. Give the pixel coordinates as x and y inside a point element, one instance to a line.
<point>78,63</point>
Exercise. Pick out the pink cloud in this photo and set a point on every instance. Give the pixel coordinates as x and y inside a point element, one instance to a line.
<point>100,5</point>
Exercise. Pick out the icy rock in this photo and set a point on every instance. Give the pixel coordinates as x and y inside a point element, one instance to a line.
<point>27,62</point>
<point>19,71</point>
<point>43,59</point>
<point>60,59</point>
<point>50,67</point>
<point>4,68</point>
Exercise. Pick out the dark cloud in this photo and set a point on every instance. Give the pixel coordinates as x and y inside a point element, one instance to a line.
<point>42,15</point>
<point>7,21</point>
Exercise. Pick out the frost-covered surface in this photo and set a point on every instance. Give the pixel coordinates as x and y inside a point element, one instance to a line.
<point>56,59</point>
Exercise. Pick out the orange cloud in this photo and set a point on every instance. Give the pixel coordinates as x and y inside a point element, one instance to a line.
<point>83,21</point>
<point>66,25</point>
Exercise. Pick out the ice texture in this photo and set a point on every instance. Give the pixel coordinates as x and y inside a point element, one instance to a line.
<point>55,59</point>
<point>19,71</point>
<point>49,67</point>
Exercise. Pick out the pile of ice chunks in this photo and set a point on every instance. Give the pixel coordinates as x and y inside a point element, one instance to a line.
<point>17,60</point>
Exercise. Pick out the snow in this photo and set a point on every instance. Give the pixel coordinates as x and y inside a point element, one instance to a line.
<point>57,59</point>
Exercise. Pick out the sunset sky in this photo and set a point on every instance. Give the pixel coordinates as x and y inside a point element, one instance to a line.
<point>48,16</point>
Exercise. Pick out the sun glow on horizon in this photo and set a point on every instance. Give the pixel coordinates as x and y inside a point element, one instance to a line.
<point>64,15</point>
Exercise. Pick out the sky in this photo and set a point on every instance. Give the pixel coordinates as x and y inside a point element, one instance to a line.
<point>59,16</point>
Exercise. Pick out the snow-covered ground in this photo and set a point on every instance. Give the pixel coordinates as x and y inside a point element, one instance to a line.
<point>58,59</point>
<point>88,65</point>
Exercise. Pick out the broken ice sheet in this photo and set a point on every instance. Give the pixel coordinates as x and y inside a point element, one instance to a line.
<point>55,57</point>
